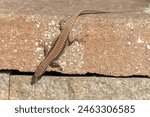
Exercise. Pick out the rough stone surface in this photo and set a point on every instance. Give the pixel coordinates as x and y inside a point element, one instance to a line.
<point>116,44</point>
<point>52,88</point>
<point>80,88</point>
<point>4,85</point>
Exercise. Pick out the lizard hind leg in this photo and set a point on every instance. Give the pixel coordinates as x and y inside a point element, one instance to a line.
<point>45,47</point>
<point>54,64</point>
<point>71,40</point>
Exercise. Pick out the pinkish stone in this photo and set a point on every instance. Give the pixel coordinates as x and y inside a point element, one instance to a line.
<point>116,44</point>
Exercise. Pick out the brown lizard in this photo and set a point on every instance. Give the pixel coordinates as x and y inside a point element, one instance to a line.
<point>62,41</point>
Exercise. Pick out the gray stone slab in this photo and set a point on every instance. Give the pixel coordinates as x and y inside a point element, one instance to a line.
<point>117,44</point>
<point>80,88</point>
<point>4,85</point>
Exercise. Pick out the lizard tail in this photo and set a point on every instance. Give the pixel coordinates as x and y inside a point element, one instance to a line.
<point>34,80</point>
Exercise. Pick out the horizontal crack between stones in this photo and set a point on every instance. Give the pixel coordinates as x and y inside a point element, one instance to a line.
<point>53,73</point>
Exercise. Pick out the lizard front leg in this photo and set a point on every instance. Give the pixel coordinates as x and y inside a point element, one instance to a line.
<point>70,39</point>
